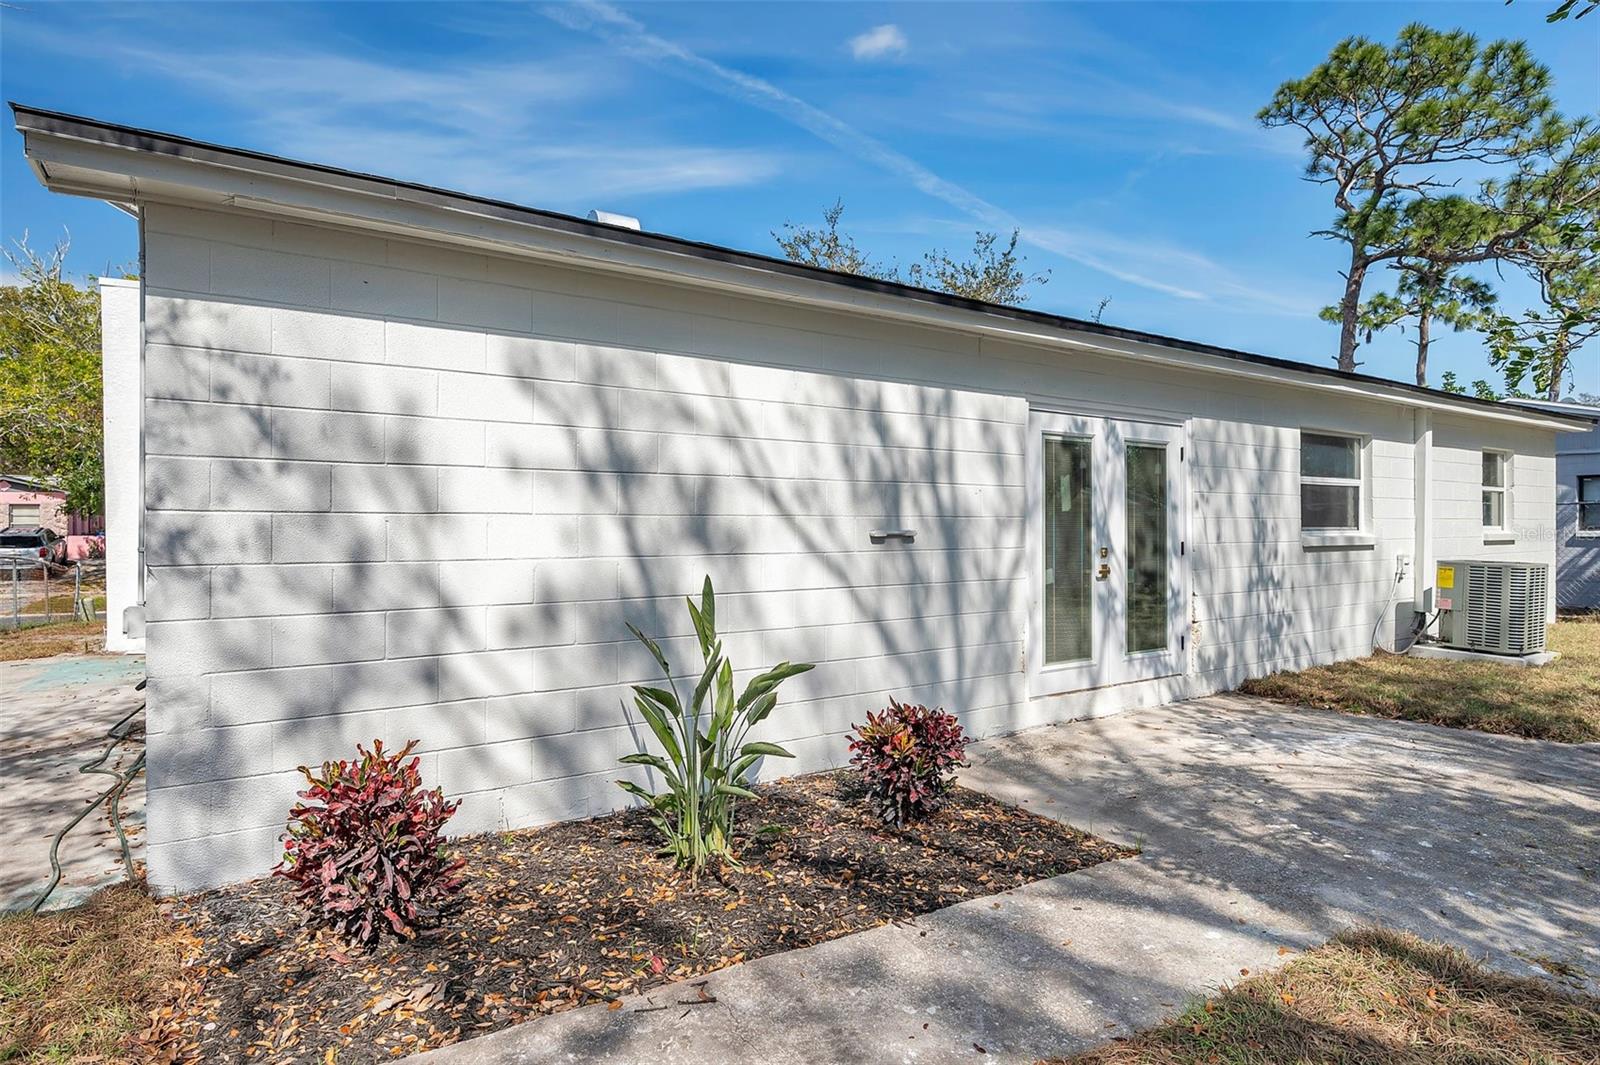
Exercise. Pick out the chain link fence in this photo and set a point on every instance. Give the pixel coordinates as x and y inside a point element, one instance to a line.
<point>39,592</point>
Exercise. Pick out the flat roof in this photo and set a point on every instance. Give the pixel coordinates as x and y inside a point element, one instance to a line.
<point>77,127</point>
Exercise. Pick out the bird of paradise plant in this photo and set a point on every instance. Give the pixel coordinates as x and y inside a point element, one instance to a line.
<point>704,741</point>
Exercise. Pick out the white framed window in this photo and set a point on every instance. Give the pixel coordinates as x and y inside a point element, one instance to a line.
<point>1589,505</point>
<point>1332,483</point>
<point>1496,491</point>
<point>23,514</point>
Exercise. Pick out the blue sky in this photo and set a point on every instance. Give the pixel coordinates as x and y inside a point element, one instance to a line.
<point>1120,138</point>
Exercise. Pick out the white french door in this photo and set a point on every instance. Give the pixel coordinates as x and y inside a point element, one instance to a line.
<point>1106,551</point>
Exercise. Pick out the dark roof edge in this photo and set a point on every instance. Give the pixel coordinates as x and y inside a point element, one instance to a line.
<point>35,482</point>
<point>1569,408</point>
<point>117,135</point>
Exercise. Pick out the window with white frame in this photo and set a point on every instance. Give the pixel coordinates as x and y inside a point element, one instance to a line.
<point>23,514</point>
<point>1330,482</point>
<point>1589,505</point>
<point>1496,490</point>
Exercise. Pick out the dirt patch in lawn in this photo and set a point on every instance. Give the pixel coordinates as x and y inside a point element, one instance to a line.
<point>1559,702</point>
<point>1374,997</point>
<point>57,638</point>
<point>98,983</point>
<point>586,911</point>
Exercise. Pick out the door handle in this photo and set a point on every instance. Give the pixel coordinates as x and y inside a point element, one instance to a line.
<point>1103,573</point>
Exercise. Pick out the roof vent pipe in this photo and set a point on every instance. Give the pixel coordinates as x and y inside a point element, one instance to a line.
<point>610,218</point>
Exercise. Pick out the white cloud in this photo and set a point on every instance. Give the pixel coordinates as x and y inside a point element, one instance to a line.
<point>517,130</point>
<point>1173,271</point>
<point>1144,111</point>
<point>563,176</point>
<point>1182,272</point>
<point>879,42</point>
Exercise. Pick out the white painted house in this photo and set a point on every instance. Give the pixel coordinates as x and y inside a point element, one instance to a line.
<point>411,459</point>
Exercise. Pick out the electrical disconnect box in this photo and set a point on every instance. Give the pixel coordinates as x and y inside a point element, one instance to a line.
<point>1499,607</point>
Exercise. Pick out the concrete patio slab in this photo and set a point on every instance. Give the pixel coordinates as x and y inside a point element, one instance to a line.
<point>1263,828</point>
<point>54,713</point>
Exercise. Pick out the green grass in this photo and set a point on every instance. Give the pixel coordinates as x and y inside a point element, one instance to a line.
<point>1373,997</point>
<point>60,604</point>
<point>60,599</point>
<point>1558,702</point>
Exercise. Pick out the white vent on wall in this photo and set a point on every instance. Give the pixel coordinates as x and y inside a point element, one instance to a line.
<point>1498,607</point>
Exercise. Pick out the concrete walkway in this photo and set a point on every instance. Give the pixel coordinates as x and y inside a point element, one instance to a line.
<point>1262,828</point>
<point>54,713</point>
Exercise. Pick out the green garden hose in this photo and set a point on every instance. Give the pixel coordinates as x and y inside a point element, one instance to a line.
<point>112,796</point>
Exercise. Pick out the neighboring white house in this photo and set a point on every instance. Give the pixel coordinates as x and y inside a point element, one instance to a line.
<point>1577,511</point>
<point>412,458</point>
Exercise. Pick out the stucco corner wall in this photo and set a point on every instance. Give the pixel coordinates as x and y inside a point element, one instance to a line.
<point>121,346</point>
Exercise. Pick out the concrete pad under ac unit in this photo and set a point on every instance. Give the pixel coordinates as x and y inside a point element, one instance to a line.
<point>1456,654</point>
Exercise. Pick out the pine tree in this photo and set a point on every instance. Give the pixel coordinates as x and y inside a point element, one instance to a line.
<point>1393,131</point>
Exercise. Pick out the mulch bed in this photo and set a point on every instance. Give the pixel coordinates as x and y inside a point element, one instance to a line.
<point>586,911</point>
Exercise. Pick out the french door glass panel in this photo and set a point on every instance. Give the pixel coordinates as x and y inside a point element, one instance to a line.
<point>1068,550</point>
<point>1147,547</point>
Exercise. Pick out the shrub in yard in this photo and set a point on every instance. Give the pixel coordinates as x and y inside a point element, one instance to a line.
<point>908,756</point>
<point>366,846</point>
<point>705,755</point>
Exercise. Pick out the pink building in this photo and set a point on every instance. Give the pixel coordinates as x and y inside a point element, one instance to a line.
<point>29,502</point>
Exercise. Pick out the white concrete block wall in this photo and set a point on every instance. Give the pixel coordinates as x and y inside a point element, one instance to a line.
<point>405,491</point>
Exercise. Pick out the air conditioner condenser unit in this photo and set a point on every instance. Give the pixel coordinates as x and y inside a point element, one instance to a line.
<point>1498,607</point>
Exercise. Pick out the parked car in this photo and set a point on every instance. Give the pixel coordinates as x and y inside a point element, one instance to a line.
<point>28,544</point>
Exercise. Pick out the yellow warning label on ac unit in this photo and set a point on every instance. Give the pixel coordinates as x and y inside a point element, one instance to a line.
<point>1447,577</point>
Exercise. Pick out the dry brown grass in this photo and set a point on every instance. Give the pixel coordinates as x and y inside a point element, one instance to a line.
<point>1374,998</point>
<point>1559,702</point>
<point>60,638</point>
<point>79,985</point>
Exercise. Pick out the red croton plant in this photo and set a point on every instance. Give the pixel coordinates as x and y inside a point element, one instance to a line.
<point>365,849</point>
<point>908,756</point>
